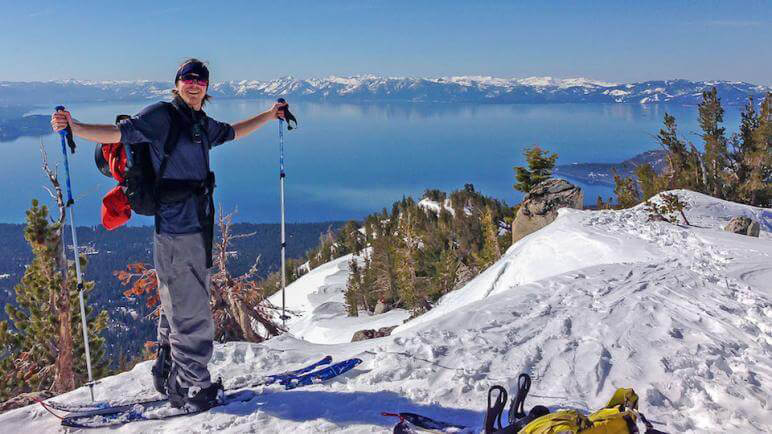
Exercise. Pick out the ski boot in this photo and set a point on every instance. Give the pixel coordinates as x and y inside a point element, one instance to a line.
<point>161,368</point>
<point>194,399</point>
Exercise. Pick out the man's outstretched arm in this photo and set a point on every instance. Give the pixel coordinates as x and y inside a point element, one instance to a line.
<point>248,126</point>
<point>94,132</point>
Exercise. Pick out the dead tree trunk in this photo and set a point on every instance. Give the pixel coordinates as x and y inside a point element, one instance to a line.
<point>64,378</point>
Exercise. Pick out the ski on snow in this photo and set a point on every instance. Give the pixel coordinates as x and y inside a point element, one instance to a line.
<point>161,409</point>
<point>264,381</point>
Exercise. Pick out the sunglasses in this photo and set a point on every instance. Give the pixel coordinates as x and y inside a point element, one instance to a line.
<point>191,79</point>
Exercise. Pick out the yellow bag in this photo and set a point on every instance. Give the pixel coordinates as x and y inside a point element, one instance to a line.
<point>613,421</point>
<point>561,421</point>
<point>618,417</point>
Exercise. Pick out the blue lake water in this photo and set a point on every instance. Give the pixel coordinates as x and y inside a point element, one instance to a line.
<point>348,160</point>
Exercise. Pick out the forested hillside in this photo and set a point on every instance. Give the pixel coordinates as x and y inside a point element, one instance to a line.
<point>109,251</point>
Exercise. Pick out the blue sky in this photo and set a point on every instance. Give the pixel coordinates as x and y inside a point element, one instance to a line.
<point>619,41</point>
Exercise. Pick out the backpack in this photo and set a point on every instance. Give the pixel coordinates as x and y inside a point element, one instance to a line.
<point>619,416</point>
<point>132,167</point>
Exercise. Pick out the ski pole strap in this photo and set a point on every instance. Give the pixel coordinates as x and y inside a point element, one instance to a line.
<point>288,116</point>
<point>68,132</point>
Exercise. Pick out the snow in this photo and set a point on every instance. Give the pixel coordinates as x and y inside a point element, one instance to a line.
<point>315,302</point>
<point>594,301</point>
<point>434,206</point>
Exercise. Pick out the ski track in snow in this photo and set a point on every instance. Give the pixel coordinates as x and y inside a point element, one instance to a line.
<point>595,301</point>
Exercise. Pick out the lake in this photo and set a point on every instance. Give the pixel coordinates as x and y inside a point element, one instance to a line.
<point>348,160</point>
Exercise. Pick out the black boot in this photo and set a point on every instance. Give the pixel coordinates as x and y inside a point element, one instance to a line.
<point>199,399</point>
<point>192,398</point>
<point>162,367</point>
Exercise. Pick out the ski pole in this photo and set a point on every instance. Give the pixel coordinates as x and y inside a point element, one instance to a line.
<point>66,136</point>
<point>282,175</point>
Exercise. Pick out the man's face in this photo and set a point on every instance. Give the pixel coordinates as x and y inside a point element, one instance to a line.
<point>192,90</point>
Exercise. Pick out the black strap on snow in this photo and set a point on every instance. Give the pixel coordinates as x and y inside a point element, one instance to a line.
<point>517,410</point>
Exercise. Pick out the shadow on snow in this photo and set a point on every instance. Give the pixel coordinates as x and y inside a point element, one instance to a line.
<point>345,408</point>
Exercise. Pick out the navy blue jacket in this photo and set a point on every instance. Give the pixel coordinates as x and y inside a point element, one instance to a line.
<point>189,160</point>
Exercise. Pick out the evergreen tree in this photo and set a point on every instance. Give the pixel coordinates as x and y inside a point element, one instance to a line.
<point>34,352</point>
<point>405,262</point>
<point>716,157</point>
<point>349,239</point>
<point>756,188</point>
<point>684,169</point>
<point>540,165</point>
<point>353,285</point>
<point>626,191</point>
<point>650,182</point>
<point>490,251</point>
<point>743,146</point>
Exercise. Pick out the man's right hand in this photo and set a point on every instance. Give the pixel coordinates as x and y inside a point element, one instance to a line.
<point>60,120</point>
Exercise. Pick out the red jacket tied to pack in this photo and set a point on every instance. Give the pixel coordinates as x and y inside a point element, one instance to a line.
<point>115,205</point>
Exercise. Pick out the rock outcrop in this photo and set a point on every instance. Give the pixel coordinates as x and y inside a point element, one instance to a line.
<point>363,335</point>
<point>540,206</point>
<point>743,226</point>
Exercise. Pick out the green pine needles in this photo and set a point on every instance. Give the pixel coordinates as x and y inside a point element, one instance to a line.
<point>38,351</point>
<point>736,168</point>
<point>540,165</point>
<point>413,255</point>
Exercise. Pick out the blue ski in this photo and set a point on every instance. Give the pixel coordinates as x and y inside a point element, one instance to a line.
<point>267,380</point>
<point>160,409</point>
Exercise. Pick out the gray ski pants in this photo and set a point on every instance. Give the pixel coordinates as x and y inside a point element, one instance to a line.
<point>186,321</point>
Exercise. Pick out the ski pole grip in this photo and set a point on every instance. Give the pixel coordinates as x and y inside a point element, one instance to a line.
<point>288,116</point>
<point>68,132</point>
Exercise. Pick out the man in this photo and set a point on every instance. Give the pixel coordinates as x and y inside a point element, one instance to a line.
<point>184,223</point>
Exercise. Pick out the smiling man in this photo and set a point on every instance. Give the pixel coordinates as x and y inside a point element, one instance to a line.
<point>184,223</point>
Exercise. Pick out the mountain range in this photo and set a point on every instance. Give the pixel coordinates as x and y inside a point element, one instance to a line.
<point>371,88</point>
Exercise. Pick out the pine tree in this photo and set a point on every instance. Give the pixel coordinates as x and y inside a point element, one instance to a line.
<point>716,157</point>
<point>33,343</point>
<point>405,263</point>
<point>490,252</point>
<point>650,182</point>
<point>757,188</point>
<point>349,239</point>
<point>353,285</point>
<point>540,165</point>
<point>626,191</point>
<point>743,146</point>
<point>684,169</point>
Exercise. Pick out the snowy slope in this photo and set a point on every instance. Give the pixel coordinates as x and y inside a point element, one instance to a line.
<point>597,300</point>
<point>317,308</point>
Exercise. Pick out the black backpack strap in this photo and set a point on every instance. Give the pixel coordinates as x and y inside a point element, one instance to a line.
<point>175,126</point>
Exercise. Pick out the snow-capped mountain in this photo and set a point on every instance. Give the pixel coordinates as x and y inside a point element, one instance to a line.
<point>594,301</point>
<point>371,88</point>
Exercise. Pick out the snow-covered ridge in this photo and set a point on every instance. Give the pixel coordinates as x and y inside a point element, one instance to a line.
<point>594,301</point>
<point>363,88</point>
